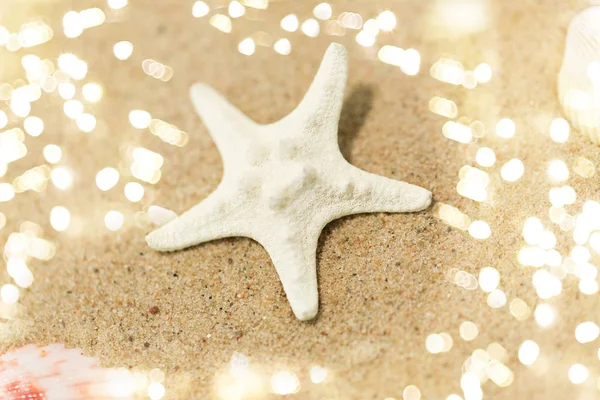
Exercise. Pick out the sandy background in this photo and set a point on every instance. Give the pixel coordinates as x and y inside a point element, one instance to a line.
<point>383,279</point>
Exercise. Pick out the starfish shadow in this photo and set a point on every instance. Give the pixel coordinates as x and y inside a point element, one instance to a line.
<point>355,110</point>
<point>354,113</point>
<point>352,118</point>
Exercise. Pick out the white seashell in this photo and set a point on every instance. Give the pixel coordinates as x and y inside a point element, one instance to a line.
<point>54,372</point>
<point>579,77</point>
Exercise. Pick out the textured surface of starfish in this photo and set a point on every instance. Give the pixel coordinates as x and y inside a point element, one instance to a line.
<point>283,182</point>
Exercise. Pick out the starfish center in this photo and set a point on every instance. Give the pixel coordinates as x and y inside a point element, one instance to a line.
<point>297,179</point>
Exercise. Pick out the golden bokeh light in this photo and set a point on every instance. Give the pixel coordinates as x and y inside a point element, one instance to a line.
<point>544,315</point>
<point>483,73</point>
<point>32,179</point>
<point>528,352</point>
<point>519,309</point>
<point>289,23</point>
<point>558,171</point>
<point>9,293</point>
<point>322,11</point>
<point>386,21</point>
<point>92,17</point>
<point>3,119</point>
<point>73,108</point>
<point>500,374</point>
<point>283,47</point>
<point>512,170</point>
<point>168,133</point>
<point>146,165</point>
<point>457,132</point>
<point>123,50</point>
<point>86,122</point>
<point>4,35</point>
<point>221,22</point>
<point>200,9</point>
<point>318,374</point>
<point>7,192</point>
<point>505,128</point>
<point>92,92</point>
<point>157,70</point>
<point>452,216</point>
<point>113,220</point>
<point>247,46</point>
<point>310,28</point>
<point>559,130</point>
<point>258,4</point>
<point>62,178</point>
<point>411,62</point>
<point>489,278</point>
<point>391,55</point>
<point>60,218</point>
<point>284,383</point>
<point>448,70</point>
<point>19,107</point>
<point>140,119</point>
<point>584,167</point>
<point>473,183</point>
<point>117,4</point>
<point>444,107</point>
<point>496,299</point>
<point>236,9</point>
<point>485,157</point>
<point>578,374</point>
<point>350,20</point>
<point>34,126</point>
<point>73,66</point>
<point>434,343</point>
<point>480,230</point>
<point>134,191</point>
<point>107,178</point>
<point>587,332</point>
<point>411,392</point>
<point>66,90</point>
<point>156,391</point>
<point>546,284</point>
<point>365,38</point>
<point>468,331</point>
<point>30,35</point>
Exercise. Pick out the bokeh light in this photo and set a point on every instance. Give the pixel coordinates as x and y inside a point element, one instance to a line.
<point>92,92</point>
<point>123,50</point>
<point>285,383</point>
<point>578,374</point>
<point>60,218</point>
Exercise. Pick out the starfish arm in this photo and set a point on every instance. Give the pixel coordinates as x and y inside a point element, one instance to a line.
<point>230,129</point>
<point>294,258</point>
<point>364,192</point>
<point>320,108</point>
<point>208,220</point>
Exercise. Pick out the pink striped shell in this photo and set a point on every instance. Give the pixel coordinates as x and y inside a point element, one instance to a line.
<point>52,373</point>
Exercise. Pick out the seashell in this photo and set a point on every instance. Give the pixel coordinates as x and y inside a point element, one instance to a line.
<point>579,77</point>
<point>54,372</point>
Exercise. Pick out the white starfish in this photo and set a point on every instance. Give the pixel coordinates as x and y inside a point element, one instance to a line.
<point>283,182</point>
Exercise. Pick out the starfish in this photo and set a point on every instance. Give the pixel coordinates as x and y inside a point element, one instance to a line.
<point>283,182</point>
